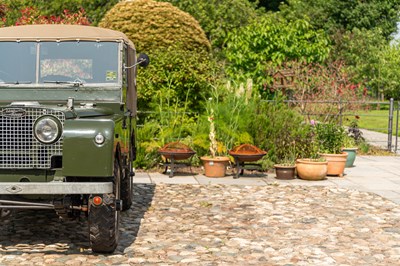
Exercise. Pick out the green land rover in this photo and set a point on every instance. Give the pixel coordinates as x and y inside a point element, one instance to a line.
<point>67,124</point>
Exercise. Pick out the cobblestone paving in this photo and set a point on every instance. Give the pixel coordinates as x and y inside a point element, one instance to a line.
<point>221,225</point>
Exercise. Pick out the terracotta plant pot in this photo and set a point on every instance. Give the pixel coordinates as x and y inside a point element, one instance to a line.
<point>351,156</point>
<point>215,167</point>
<point>285,172</point>
<point>336,163</point>
<point>310,169</point>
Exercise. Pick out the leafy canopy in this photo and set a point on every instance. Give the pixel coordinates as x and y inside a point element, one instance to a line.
<point>218,17</point>
<point>272,38</point>
<point>333,15</point>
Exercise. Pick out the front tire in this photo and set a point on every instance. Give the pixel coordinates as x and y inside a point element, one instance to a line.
<point>104,219</point>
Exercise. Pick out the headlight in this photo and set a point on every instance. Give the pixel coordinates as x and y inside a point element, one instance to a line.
<point>47,129</point>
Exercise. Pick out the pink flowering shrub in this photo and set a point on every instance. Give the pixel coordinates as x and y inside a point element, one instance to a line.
<point>30,15</point>
<point>321,92</point>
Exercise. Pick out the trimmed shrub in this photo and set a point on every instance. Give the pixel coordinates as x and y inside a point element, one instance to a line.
<point>152,25</point>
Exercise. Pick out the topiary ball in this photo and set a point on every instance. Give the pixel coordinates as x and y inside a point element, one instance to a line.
<point>153,25</point>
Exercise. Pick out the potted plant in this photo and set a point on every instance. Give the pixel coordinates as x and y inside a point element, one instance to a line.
<point>214,166</point>
<point>330,140</point>
<point>350,147</point>
<point>286,168</point>
<point>312,168</point>
<point>310,165</point>
<point>352,139</point>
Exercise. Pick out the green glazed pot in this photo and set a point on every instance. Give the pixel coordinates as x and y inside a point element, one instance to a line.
<point>351,157</point>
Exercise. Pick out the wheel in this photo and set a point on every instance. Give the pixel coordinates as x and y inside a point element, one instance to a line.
<point>126,187</point>
<point>104,219</point>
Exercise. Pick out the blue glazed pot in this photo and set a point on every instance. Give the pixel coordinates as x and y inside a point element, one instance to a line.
<point>351,156</point>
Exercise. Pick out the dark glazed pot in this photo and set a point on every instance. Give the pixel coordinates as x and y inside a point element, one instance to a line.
<point>284,172</point>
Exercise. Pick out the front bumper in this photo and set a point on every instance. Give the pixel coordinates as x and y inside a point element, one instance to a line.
<point>55,188</point>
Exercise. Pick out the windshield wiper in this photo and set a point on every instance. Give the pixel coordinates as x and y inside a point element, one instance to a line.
<point>76,83</point>
<point>16,82</point>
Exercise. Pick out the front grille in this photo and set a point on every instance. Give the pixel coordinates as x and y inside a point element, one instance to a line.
<point>18,147</point>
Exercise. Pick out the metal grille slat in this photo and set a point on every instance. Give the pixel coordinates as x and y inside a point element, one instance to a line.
<point>18,147</point>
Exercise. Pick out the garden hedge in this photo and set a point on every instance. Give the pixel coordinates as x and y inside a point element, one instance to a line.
<point>152,25</point>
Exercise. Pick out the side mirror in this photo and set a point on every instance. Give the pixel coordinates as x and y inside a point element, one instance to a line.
<point>143,61</point>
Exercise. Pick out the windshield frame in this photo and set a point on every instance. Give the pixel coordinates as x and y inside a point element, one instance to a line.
<point>117,71</point>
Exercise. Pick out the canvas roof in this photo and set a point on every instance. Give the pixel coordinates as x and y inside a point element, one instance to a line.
<point>61,32</point>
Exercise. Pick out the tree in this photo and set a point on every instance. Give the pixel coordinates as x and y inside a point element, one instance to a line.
<point>218,17</point>
<point>334,15</point>
<point>272,5</point>
<point>387,75</point>
<point>362,51</point>
<point>272,39</point>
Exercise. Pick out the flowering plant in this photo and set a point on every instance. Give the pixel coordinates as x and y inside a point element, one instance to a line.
<point>212,135</point>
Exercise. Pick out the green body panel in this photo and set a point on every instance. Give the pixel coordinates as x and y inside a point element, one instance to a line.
<point>81,155</point>
<point>7,175</point>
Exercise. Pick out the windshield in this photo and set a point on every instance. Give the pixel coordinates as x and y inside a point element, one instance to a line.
<point>58,62</point>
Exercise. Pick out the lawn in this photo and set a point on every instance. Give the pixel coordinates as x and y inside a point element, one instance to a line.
<point>375,120</point>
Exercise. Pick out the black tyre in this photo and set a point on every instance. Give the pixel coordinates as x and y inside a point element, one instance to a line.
<point>126,188</point>
<point>104,219</point>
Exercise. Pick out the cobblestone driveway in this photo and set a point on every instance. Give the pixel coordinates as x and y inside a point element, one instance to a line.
<point>221,225</point>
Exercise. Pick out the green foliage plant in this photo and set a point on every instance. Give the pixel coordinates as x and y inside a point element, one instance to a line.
<point>230,108</point>
<point>349,142</point>
<point>279,129</point>
<point>339,15</point>
<point>329,137</point>
<point>169,122</point>
<point>218,17</point>
<point>384,72</point>
<point>186,75</point>
<point>272,39</point>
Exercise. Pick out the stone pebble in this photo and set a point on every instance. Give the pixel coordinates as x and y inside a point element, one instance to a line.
<point>220,225</point>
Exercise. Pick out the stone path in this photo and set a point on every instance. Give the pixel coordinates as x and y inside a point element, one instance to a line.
<point>377,174</point>
<point>193,224</point>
